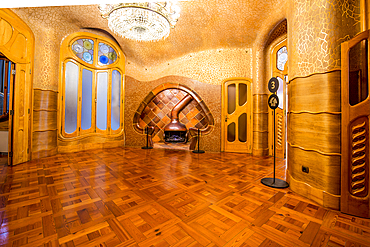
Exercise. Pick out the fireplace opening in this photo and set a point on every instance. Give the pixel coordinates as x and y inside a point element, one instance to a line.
<point>175,136</point>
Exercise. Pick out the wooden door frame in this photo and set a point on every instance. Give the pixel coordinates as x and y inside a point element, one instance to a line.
<point>20,51</point>
<point>223,110</point>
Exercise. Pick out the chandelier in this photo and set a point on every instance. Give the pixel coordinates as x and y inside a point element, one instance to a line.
<point>144,21</point>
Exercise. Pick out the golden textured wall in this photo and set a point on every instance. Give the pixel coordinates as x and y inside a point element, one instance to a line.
<point>317,28</point>
<point>210,66</point>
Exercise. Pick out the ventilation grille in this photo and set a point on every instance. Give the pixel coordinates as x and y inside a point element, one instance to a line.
<point>359,158</point>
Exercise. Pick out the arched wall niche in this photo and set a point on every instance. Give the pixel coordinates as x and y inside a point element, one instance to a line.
<point>154,112</point>
<point>136,92</point>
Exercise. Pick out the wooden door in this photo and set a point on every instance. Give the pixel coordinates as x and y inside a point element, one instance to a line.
<point>279,58</point>
<point>355,178</point>
<point>237,117</point>
<point>17,44</point>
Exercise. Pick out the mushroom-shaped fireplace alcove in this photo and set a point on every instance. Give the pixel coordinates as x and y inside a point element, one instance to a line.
<point>173,113</point>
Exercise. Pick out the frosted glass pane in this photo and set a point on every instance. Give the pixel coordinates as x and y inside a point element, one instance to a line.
<point>102,104</point>
<point>231,98</point>
<point>280,93</point>
<point>116,98</point>
<point>86,106</point>
<point>71,90</point>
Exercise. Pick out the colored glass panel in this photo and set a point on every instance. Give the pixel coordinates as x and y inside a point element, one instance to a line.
<point>8,87</point>
<point>116,99</point>
<point>71,90</point>
<point>102,100</point>
<point>107,55</point>
<point>2,85</point>
<point>231,98</point>
<point>243,93</point>
<point>84,50</point>
<point>282,58</point>
<point>231,132</point>
<point>86,104</point>
<point>242,127</point>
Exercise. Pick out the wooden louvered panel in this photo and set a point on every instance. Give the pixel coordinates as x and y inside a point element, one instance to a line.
<point>359,156</point>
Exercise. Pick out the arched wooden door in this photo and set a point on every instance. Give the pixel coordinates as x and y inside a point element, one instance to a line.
<point>236,115</point>
<point>279,58</point>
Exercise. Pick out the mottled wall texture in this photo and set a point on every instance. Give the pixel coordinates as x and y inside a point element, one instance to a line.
<point>209,67</point>
<point>315,31</point>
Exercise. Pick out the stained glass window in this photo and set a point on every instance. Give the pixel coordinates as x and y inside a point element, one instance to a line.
<point>107,55</point>
<point>282,58</point>
<point>84,49</point>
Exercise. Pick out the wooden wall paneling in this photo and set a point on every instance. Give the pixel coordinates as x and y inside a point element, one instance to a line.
<point>260,124</point>
<point>44,134</point>
<point>313,137</point>
<point>355,198</point>
<point>319,132</point>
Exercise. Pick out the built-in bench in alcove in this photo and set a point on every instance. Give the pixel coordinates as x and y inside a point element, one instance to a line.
<point>173,104</point>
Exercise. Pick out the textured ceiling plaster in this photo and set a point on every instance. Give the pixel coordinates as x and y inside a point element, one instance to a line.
<point>203,25</point>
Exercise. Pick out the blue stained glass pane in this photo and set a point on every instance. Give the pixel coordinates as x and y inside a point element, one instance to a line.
<point>107,55</point>
<point>8,88</point>
<point>2,68</point>
<point>84,49</point>
<point>71,90</point>
<point>86,105</point>
<point>102,104</point>
<point>116,99</point>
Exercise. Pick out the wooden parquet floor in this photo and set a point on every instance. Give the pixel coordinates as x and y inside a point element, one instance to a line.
<point>159,197</point>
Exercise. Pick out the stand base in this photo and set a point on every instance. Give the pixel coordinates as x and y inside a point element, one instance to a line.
<point>146,147</point>
<point>278,183</point>
<point>198,151</point>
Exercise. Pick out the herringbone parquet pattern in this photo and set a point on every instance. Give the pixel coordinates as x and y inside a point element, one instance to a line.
<point>134,197</point>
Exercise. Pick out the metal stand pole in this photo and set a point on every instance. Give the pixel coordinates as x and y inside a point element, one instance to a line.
<point>147,139</point>
<point>198,151</point>
<point>274,182</point>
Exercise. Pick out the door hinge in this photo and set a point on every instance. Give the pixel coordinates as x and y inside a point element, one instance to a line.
<point>10,154</point>
<point>30,71</point>
<point>62,98</point>
<point>13,72</point>
<point>28,150</point>
<point>11,112</point>
<point>28,110</point>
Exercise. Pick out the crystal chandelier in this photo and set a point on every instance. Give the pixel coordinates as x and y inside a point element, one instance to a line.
<point>144,21</point>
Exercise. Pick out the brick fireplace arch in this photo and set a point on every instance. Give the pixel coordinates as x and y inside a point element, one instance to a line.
<point>155,111</point>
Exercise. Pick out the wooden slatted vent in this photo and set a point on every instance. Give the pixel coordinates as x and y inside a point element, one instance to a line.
<point>359,177</point>
<point>279,131</point>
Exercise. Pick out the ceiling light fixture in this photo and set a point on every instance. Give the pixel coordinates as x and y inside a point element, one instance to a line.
<point>143,21</point>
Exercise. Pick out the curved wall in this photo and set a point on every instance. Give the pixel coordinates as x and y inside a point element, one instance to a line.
<point>315,31</point>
